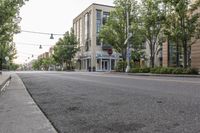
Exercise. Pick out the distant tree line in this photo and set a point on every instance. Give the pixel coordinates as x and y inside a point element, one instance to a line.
<point>63,55</point>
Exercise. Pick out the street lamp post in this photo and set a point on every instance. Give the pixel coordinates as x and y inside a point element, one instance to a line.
<point>129,35</point>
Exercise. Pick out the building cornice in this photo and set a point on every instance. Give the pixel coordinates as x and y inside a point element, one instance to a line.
<point>93,4</point>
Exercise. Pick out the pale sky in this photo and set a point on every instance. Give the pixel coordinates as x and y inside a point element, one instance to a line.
<point>49,16</point>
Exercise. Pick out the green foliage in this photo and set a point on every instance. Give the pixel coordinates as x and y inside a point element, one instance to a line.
<point>10,66</point>
<point>44,63</point>
<point>37,64</point>
<point>166,70</point>
<point>182,25</point>
<point>9,20</point>
<point>13,66</point>
<point>140,70</point>
<point>152,18</point>
<point>114,32</point>
<point>121,65</point>
<point>65,50</point>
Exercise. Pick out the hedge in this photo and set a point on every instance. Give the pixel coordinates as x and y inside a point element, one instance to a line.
<point>165,70</point>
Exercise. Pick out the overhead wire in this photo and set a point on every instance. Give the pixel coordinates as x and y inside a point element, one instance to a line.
<point>44,33</point>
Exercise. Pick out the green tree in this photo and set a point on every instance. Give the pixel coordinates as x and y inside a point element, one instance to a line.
<point>114,32</point>
<point>9,19</point>
<point>47,62</point>
<point>172,29</point>
<point>65,49</point>
<point>7,50</point>
<point>37,64</point>
<point>182,25</point>
<point>152,20</point>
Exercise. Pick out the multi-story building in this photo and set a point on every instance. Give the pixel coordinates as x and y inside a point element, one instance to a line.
<point>44,55</point>
<point>195,50</point>
<point>93,53</point>
<point>51,51</point>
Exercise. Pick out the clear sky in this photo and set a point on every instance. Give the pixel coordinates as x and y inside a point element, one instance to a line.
<point>49,16</point>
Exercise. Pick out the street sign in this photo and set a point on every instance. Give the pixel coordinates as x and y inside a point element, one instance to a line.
<point>7,58</point>
<point>110,51</point>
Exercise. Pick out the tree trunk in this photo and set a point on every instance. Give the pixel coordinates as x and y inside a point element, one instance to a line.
<point>151,55</point>
<point>185,55</point>
<point>69,65</point>
<point>152,62</point>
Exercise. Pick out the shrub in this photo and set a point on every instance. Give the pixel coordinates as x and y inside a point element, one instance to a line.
<point>190,71</point>
<point>134,70</point>
<point>157,70</point>
<point>121,66</point>
<point>171,70</point>
<point>178,71</point>
<point>140,70</point>
<point>145,70</point>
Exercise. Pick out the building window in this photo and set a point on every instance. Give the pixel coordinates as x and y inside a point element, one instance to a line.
<point>78,30</point>
<point>98,21</point>
<point>105,17</point>
<point>81,33</point>
<point>172,54</point>
<point>87,25</point>
<point>86,19</point>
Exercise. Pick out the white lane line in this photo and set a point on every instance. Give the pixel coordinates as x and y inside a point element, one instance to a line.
<point>129,77</point>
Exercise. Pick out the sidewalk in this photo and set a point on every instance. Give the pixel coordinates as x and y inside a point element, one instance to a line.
<point>19,113</point>
<point>158,75</point>
<point>4,77</point>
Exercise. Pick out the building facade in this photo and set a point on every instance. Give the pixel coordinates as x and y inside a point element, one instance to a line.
<point>93,53</point>
<point>43,56</point>
<point>195,51</point>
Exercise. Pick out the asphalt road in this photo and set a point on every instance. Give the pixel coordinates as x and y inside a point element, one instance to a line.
<point>112,103</point>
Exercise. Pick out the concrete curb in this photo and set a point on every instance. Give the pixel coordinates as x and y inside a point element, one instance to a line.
<point>157,75</point>
<point>19,113</point>
<point>4,83</point>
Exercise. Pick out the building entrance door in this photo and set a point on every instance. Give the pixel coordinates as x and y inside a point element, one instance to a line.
<point>104,65</point>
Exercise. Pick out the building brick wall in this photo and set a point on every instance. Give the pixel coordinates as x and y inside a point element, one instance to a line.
<point>165,54</point>
<point>195,56</point>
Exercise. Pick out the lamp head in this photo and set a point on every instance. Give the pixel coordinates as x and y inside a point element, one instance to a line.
<point>51,37</point>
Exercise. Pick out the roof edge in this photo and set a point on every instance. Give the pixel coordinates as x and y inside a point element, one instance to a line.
<point>90,7</point>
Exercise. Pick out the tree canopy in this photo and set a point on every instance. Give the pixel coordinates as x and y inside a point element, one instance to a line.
<point>9,20</point>
<point>65,49</point>
<point>114,32</point>
<point>152,22</point>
